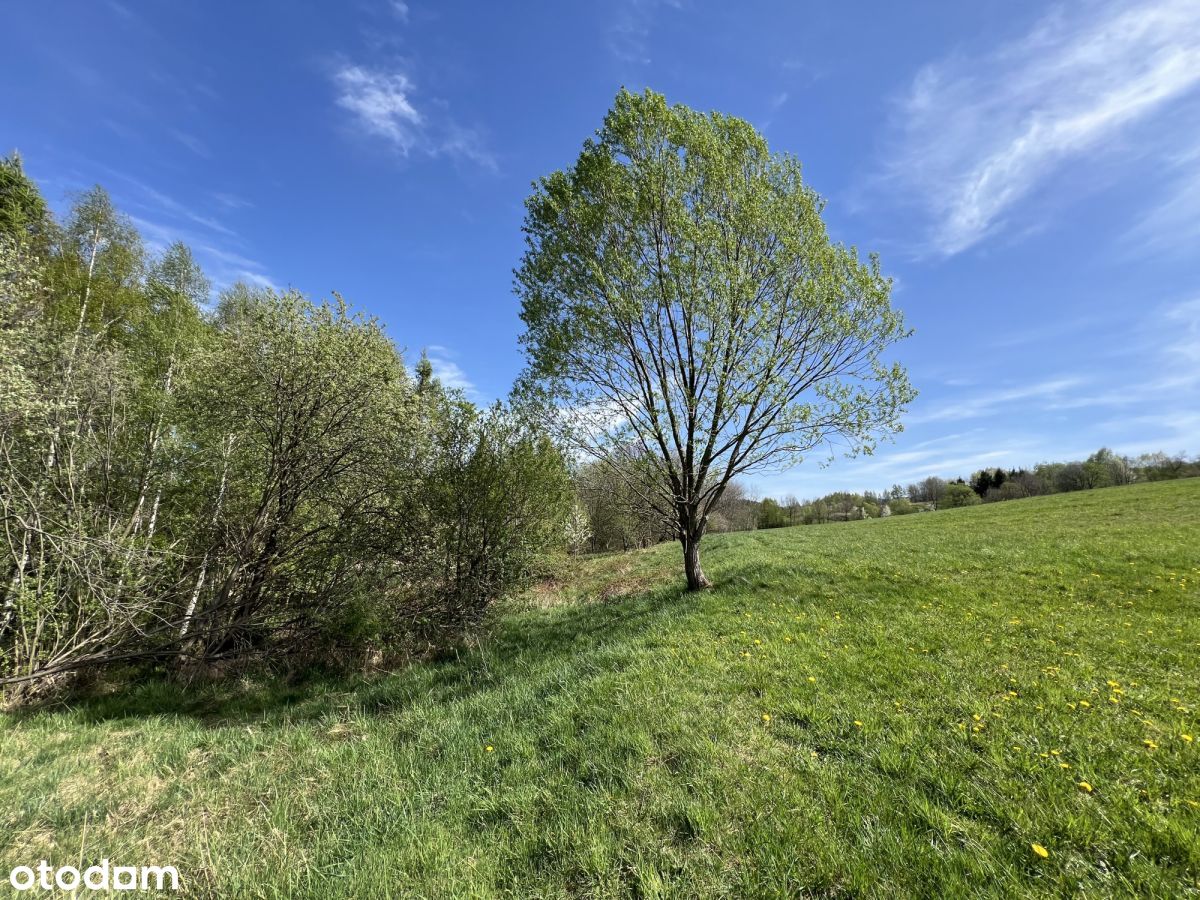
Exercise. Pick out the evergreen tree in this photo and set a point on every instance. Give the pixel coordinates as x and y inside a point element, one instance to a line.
<point>23,212</point>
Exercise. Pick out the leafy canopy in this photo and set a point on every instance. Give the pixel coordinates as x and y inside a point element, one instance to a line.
<point>686,307</point>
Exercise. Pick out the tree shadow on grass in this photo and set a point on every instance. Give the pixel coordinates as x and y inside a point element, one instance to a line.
<point>554,645</point>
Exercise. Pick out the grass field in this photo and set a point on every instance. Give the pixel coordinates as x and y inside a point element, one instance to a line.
<point>892,707</point>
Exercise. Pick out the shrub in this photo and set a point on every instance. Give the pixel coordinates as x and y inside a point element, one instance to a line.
<point>957,495</point>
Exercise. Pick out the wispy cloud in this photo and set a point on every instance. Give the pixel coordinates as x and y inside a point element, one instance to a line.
<point>154,200</point>
<point>231,201</point>
<point>1142,397</point>
<point>1183,349</point>
<point>1156,366</point>
<point>448,372</point>
<point>1050,390</point>
<point>631,26</point>
<point>1174,433</point>
<point>399,9</point>
<point>162,220</point>
<point>976,135</point>
<point>192,142</point>
<point>382,103</point>
<point>1171,226</point>
<point>222,266</point>
<point>774,105</point>
<point>258,279</point>
<point>122,10</point>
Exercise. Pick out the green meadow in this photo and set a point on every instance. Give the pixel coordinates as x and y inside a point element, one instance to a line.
<point>991,701</point>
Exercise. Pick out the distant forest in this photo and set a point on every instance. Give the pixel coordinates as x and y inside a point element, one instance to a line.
<point>614,527</point>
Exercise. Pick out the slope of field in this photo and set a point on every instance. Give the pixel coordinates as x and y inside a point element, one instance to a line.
<point>907,706</point>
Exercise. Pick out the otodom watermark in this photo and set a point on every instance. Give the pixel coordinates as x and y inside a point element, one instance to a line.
<point>101,877</point>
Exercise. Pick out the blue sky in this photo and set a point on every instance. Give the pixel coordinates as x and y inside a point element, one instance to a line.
<point>1030,175</point>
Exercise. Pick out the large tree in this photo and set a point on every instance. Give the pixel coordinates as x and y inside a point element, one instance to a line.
<point>686,310</point>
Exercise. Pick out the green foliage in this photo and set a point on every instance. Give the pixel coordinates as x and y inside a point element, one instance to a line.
<point>956,495</point>
<point>492,495</point>
<point>771,514</point>
<point>23,213</point>
<point>686,309</point>
<point>1104,468</point>
<point>184,487</point>
<point>618,512</point>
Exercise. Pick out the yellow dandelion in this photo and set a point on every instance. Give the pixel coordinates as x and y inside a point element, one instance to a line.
<point>1085,787</point>
<point>1186,737</point>
<point>1039,850</point>
<point>488,749</point>
<point>1150,745</point>
<point>858,724</point>
<point>810,678</point>
<point>1085,704</point>
<point>1064,765</point>
<point>766,717</point>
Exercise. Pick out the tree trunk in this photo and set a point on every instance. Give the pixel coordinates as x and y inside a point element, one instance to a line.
<point>216,518</point>
<point>696,579</point>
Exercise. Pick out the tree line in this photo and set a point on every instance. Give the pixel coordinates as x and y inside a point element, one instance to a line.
<point>193,484</point>
<point>1104,468</point>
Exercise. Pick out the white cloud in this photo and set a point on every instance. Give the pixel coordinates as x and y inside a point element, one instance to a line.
<point>977,135</point>
<point>382,103</point>
<point>448,372</point>
<point>400,9</point>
